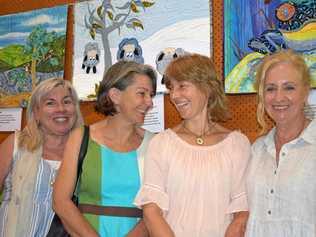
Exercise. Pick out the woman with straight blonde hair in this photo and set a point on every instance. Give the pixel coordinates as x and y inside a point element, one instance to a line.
<point>30,159</point>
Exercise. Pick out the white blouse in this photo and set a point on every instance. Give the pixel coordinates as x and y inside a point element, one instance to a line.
<point>282,199</point>
<point>197,187</point>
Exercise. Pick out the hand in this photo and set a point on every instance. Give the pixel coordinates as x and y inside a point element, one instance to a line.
<point>237,227</point>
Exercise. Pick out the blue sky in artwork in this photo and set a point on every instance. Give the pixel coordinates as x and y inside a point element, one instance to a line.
<point>15,28</point>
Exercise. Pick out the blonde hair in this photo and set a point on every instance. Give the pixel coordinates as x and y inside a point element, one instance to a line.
<point>31,137</point>
<point>269,61</point>
<point>200,71</point>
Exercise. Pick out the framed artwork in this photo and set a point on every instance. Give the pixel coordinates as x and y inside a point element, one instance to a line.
<point>253,29</point>
<point>146,31</point>
<point>32,49</point>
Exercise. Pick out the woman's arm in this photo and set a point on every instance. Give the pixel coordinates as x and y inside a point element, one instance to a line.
<point>238,226</point>
<point>155,222</point>
<point>139,230</point>
<point>64,187</point>
<point>238,205</point>
<point>6,157</point>
<point>152,197</point>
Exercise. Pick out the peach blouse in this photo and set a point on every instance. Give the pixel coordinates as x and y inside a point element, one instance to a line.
<point>197,187</point>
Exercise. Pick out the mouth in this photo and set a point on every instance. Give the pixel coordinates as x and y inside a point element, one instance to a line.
<point>181,105</point>
<point>280,107</point>
<point>143,111</point>
<point>60,119</point>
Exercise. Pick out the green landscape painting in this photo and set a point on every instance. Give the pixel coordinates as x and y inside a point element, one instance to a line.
<point>32,49</point>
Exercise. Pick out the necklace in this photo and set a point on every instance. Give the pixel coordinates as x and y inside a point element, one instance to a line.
<point>199,139</point>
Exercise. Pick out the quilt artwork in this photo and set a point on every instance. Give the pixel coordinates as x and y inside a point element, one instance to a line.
<point>146,31</point>
<point>253,29</point>
<point>32,49</point>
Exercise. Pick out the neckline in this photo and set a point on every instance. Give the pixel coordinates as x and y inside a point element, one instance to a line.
<point>122,152</point>
<point>306,135</point>
<point>199,139</point>
<point>199,147</point>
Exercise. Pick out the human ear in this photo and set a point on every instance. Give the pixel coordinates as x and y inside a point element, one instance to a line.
<point>115,95</point>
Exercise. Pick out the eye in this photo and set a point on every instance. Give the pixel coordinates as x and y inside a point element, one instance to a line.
<point>269,88</point>
<point>141,93</point>
<point>184,85</point>
<point>289,87</point>
<point>68,101</point>
<point>49,102</point>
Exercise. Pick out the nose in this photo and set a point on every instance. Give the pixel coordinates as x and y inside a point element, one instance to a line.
<point>174,93</point>
<point>279,95</point>
<point>61,107</point>
<point>149,101</point>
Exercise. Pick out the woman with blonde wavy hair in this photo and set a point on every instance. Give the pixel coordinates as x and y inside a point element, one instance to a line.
<point>30,159</point>
<point>281,181</point>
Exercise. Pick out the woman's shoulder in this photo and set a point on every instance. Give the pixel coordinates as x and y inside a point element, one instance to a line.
<point>163,134</point>
<point>239,134</point>
<point>76,135</point>
<point>162,137</point>
<point>7,146</point>
<point>78,131</point>
<point>260,143</point>
<point>238,137</point>
<point>10,139</point>
<point>228,133</point>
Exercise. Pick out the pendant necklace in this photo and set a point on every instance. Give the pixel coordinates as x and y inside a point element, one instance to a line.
<point>199,139</point>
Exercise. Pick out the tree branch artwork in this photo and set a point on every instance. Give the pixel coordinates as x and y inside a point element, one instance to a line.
<point>107,18</point>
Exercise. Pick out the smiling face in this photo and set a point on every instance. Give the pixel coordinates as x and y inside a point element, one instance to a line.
<point>284,94</point>
<point>136,100</point>
<point>56,112</point>
<point>189,100</point>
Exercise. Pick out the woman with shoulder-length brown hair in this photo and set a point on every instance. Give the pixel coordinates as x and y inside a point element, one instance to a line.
<point>112,169</point>
<point>281,185</point>
<point>194,173</point>
<point>30,159</point>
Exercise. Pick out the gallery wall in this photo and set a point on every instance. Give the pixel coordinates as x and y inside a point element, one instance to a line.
<point>242,107</point>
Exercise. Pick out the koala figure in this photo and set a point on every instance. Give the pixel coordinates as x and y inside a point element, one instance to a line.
<point>130,50</point>
<point>91,57</point>
<point>165,56</point>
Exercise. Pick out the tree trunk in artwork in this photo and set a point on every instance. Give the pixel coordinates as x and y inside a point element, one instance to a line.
<point>107,51</point>
<point>33,73</point>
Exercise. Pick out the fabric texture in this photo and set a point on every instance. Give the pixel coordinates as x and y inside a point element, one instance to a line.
<point>282,198</point>
<point>197,187</point>
<point>27,195</point>
<point>111,178</point>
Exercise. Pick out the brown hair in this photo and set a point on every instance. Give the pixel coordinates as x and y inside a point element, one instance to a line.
<point>120,75</point>
<point>200,71</point>
<point>268,62</point>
